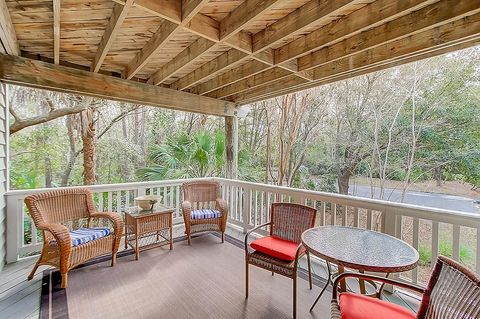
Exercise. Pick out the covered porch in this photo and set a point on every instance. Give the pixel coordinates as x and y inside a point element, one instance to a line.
<point>212,57</point>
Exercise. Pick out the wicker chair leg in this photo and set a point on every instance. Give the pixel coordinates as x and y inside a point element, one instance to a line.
<point>223,237</point>
<point>309,271</point>
<point>246,279</point>
<point>32,273</point>
<point>114,258</point>
<point>295,296</point>
<point>65,280</point>
<point>188,239</point>
<point>273,273</point>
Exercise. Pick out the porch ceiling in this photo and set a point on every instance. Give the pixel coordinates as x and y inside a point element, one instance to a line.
<point>237,51</point>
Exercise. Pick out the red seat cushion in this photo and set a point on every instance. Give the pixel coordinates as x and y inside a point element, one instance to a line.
<point>276,247</point>
<point>355,306</point>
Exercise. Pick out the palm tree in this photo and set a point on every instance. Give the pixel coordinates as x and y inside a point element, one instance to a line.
<point>186,156</point>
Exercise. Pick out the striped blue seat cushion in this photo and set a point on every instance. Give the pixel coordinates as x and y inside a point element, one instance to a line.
<point>205,213</point>
<point>84,235</point>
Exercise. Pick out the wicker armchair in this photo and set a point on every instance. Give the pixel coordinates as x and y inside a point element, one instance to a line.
<point>52,210</point>
<point>203,208</point>
<point>280,252</point>
<point>453,292</point>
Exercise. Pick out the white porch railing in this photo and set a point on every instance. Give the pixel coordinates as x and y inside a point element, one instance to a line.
<point>427,229</point>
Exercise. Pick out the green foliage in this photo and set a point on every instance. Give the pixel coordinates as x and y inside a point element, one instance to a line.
<point>445,248</point>
<point>184,156</point>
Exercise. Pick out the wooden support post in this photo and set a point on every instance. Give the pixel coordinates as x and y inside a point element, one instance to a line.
<point>231,136</point>
<point>4,176</point>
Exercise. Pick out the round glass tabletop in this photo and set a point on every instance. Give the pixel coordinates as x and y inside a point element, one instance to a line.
<point>360,249</point>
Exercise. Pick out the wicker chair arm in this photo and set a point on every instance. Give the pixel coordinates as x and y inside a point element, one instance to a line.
<point>60,233</point>
<point>387,281</point>
<point>251,231</point>
<point>335,312</point>
<point>187,209</point>
<point>222,206</point>
<point>115,218</point>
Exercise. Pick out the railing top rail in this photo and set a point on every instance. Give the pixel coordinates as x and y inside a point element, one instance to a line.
<point>109,187</point>
<point>376,204</point>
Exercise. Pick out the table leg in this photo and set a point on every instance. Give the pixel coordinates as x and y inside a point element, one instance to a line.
<point>361,284</point>
<point>329,281</point>
<point>171,238</point>
<point>137,248</point>
<point>343,284</point>
<point>126,237</point>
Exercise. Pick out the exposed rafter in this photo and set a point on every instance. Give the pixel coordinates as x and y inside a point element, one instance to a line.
<point>119,14</point>
<point>165,32</point>
<point>428,43</point>
<point>8,37</point>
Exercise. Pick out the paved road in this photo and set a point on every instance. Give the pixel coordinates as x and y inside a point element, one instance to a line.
<point>422,199</point>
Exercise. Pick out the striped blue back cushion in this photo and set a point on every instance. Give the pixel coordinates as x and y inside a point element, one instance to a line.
<point>205,213</point>
<point>84,235</point>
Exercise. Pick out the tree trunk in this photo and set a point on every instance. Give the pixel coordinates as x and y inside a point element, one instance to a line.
<point>48,172</point>
<point>438,174</point>
<point>343,181</point>
<point>88,141</point>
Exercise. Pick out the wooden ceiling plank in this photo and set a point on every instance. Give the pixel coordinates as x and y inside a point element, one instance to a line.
<point>264,77</point>
<point>170,10</point>
<point>230,76</point>
<point>445,38</point>
<point>182,60</point>
<point>244,14</point>
<point>165,32</point>
<point>431,16</point>
<point>56,31</point>
<point>8,37</point>
<point>424,55</point>
<point>18,70</point>
<point>373,14</point>
<point>191,7</point>
<point>297,21</point>
<point>119,14</point>
<point>210,69</point>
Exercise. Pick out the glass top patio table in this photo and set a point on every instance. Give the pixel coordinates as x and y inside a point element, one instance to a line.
<point>360,249</point>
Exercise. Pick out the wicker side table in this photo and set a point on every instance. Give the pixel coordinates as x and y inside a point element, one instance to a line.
<point>153,227</point>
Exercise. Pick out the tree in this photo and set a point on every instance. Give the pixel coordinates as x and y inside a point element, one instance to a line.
<point>184,156</point>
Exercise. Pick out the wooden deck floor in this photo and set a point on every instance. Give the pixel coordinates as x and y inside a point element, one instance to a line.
<point>21,299</point>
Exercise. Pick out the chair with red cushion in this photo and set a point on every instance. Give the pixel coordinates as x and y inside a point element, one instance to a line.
<point>453,292</point>
<point>280,251</point>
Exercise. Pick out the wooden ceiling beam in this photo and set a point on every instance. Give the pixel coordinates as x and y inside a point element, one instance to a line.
<point>398,62</point>
<point>371,15</point>
<point>261,78</point>
<point>56,31</point>
<point>157,42</point>
<point>429,17</point>
<point>38,74</point>
<point>243,15</point>
<point>233,75</point>
<point>442,39</point>
<point>165,33</point>
<point>8,37</point>
<point>182,60</point>
<point>210,69</point>
<point>119,14</point>
<point>297,21</point>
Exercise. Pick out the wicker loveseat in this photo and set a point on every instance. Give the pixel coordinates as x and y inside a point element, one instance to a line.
<point>203,208</point>
<point>58,215</point>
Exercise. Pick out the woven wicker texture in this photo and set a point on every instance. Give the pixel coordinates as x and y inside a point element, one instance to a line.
<point>203,194</point>
<point>50,212</point>
<point>453,292</point>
